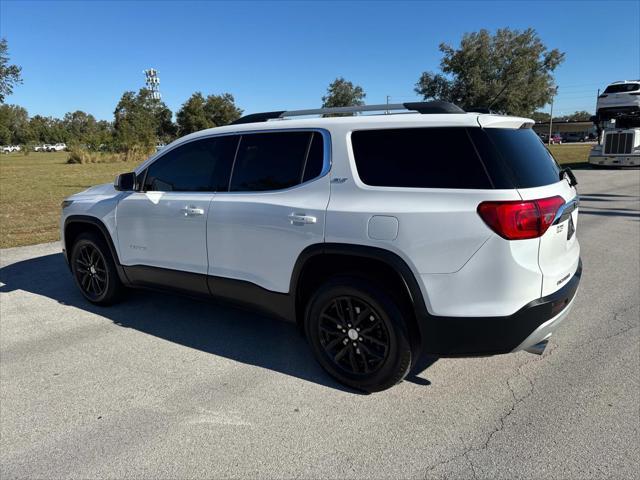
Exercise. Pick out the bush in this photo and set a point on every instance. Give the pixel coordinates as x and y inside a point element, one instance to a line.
<point>82,155</point>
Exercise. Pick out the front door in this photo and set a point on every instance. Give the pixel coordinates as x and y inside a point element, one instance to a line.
<point>164,225</point>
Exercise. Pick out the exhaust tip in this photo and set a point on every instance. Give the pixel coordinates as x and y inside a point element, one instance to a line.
<point>538,348</point>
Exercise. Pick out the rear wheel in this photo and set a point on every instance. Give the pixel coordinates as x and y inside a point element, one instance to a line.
<point>94,269</point>
<point>358,334</point>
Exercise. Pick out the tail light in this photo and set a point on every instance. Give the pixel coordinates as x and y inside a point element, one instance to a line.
<point>518,220</point>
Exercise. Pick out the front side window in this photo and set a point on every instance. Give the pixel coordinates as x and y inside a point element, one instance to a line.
<point>276,160</point>
<point>198,166</point>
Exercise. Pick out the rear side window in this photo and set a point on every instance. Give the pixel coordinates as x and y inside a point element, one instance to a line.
<point>419,158</point>
<point>198,166</point>
<point>273,161</point>
<point>622,88</point>
<point>523,153</point>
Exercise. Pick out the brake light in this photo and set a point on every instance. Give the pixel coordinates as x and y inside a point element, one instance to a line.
<point>518,220</point>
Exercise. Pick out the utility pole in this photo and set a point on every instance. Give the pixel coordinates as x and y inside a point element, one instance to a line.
<point>550,121</point>
<point>598,123</point>
<point>388,98</point>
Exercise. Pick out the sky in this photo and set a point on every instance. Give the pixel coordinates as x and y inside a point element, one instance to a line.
<point>283,55</point>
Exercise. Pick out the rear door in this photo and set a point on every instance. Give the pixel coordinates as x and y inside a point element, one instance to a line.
<point>274,209</point>
<point>537,176</point>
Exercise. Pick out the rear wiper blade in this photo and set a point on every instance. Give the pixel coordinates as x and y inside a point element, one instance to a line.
<point>567,172</point>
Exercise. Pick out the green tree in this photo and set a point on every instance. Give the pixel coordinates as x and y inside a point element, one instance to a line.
<point>342,93</point>
<point>191,117</point>
<point>141,120</point>
<point>540,116</point>
<point>198,112</point>
<point>221,109</point>
<point>580,116</point>
<point>14,125</point>
<point>10,75</point>
<point>47,129</point>
<point>510,71</point>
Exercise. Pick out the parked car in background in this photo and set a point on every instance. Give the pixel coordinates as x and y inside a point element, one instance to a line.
<point>575,137</point>
<point>10,148</point>
<point>555,138</point>
<point>58,147</point>
<point>159,146</point>
<point>42,148</point>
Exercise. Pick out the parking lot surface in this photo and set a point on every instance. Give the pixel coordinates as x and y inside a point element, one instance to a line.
<point>162,386</point>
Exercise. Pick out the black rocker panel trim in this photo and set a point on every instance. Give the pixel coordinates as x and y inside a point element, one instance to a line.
<point>238,292</point>
<point>241,292</point>
<point>166,279</point>
<point>96,222</point>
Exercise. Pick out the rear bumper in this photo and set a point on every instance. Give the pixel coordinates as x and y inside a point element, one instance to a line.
<point>478,336</point>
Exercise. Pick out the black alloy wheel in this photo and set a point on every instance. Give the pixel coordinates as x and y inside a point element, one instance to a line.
<point>94,269</point>
<point>91,271</point>
<point>353,335</point>
<point>358,334</point>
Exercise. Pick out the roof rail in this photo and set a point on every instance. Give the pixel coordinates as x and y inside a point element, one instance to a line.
<point>420,107</point>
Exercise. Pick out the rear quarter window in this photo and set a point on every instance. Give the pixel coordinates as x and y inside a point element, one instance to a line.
<point>522,153</point>
<point>443,157</point>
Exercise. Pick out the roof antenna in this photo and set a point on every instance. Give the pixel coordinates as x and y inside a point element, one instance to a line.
<point>495,99</point>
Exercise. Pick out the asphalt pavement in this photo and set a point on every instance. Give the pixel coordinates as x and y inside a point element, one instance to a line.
<point>162,386</point>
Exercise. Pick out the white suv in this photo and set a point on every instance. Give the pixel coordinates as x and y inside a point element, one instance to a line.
<point>58,147</point>
<point>619,98</point>
<point>385,237</point>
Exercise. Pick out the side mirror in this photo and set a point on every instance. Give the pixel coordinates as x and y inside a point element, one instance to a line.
<point>125,182</point>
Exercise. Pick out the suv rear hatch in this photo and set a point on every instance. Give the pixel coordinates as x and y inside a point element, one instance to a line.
<point>537,176</point>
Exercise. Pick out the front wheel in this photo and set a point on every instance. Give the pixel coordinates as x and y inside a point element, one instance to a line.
<point>94,270</point>
<point>358,335</point>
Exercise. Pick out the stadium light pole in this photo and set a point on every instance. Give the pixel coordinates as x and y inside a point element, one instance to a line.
<point>152,82</point>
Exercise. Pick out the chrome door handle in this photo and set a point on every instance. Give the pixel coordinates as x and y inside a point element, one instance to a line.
<point>301,219</point>
<point>191,211</point>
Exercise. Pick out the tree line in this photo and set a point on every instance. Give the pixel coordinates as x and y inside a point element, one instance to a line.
<point>510,71</point>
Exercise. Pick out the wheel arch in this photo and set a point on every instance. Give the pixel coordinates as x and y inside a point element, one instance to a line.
<point>317,262</point>
<point>74,225</point>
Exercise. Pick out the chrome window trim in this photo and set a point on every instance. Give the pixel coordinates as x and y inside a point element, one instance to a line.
<point>326,160</point>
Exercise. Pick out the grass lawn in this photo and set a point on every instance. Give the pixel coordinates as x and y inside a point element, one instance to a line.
<point>571,154</point>
<point>32,187</point>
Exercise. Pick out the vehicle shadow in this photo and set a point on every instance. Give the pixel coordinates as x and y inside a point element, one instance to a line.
<point>222,330</point>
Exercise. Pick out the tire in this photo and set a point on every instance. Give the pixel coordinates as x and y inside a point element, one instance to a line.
<point>342,310</point>
<point>94,270</point>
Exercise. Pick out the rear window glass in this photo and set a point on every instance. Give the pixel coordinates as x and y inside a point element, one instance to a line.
<point>524,154</point>
<point>418,158</point>
<point>622,87</point>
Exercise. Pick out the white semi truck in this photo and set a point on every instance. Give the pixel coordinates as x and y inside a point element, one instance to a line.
<point>617,119</point>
